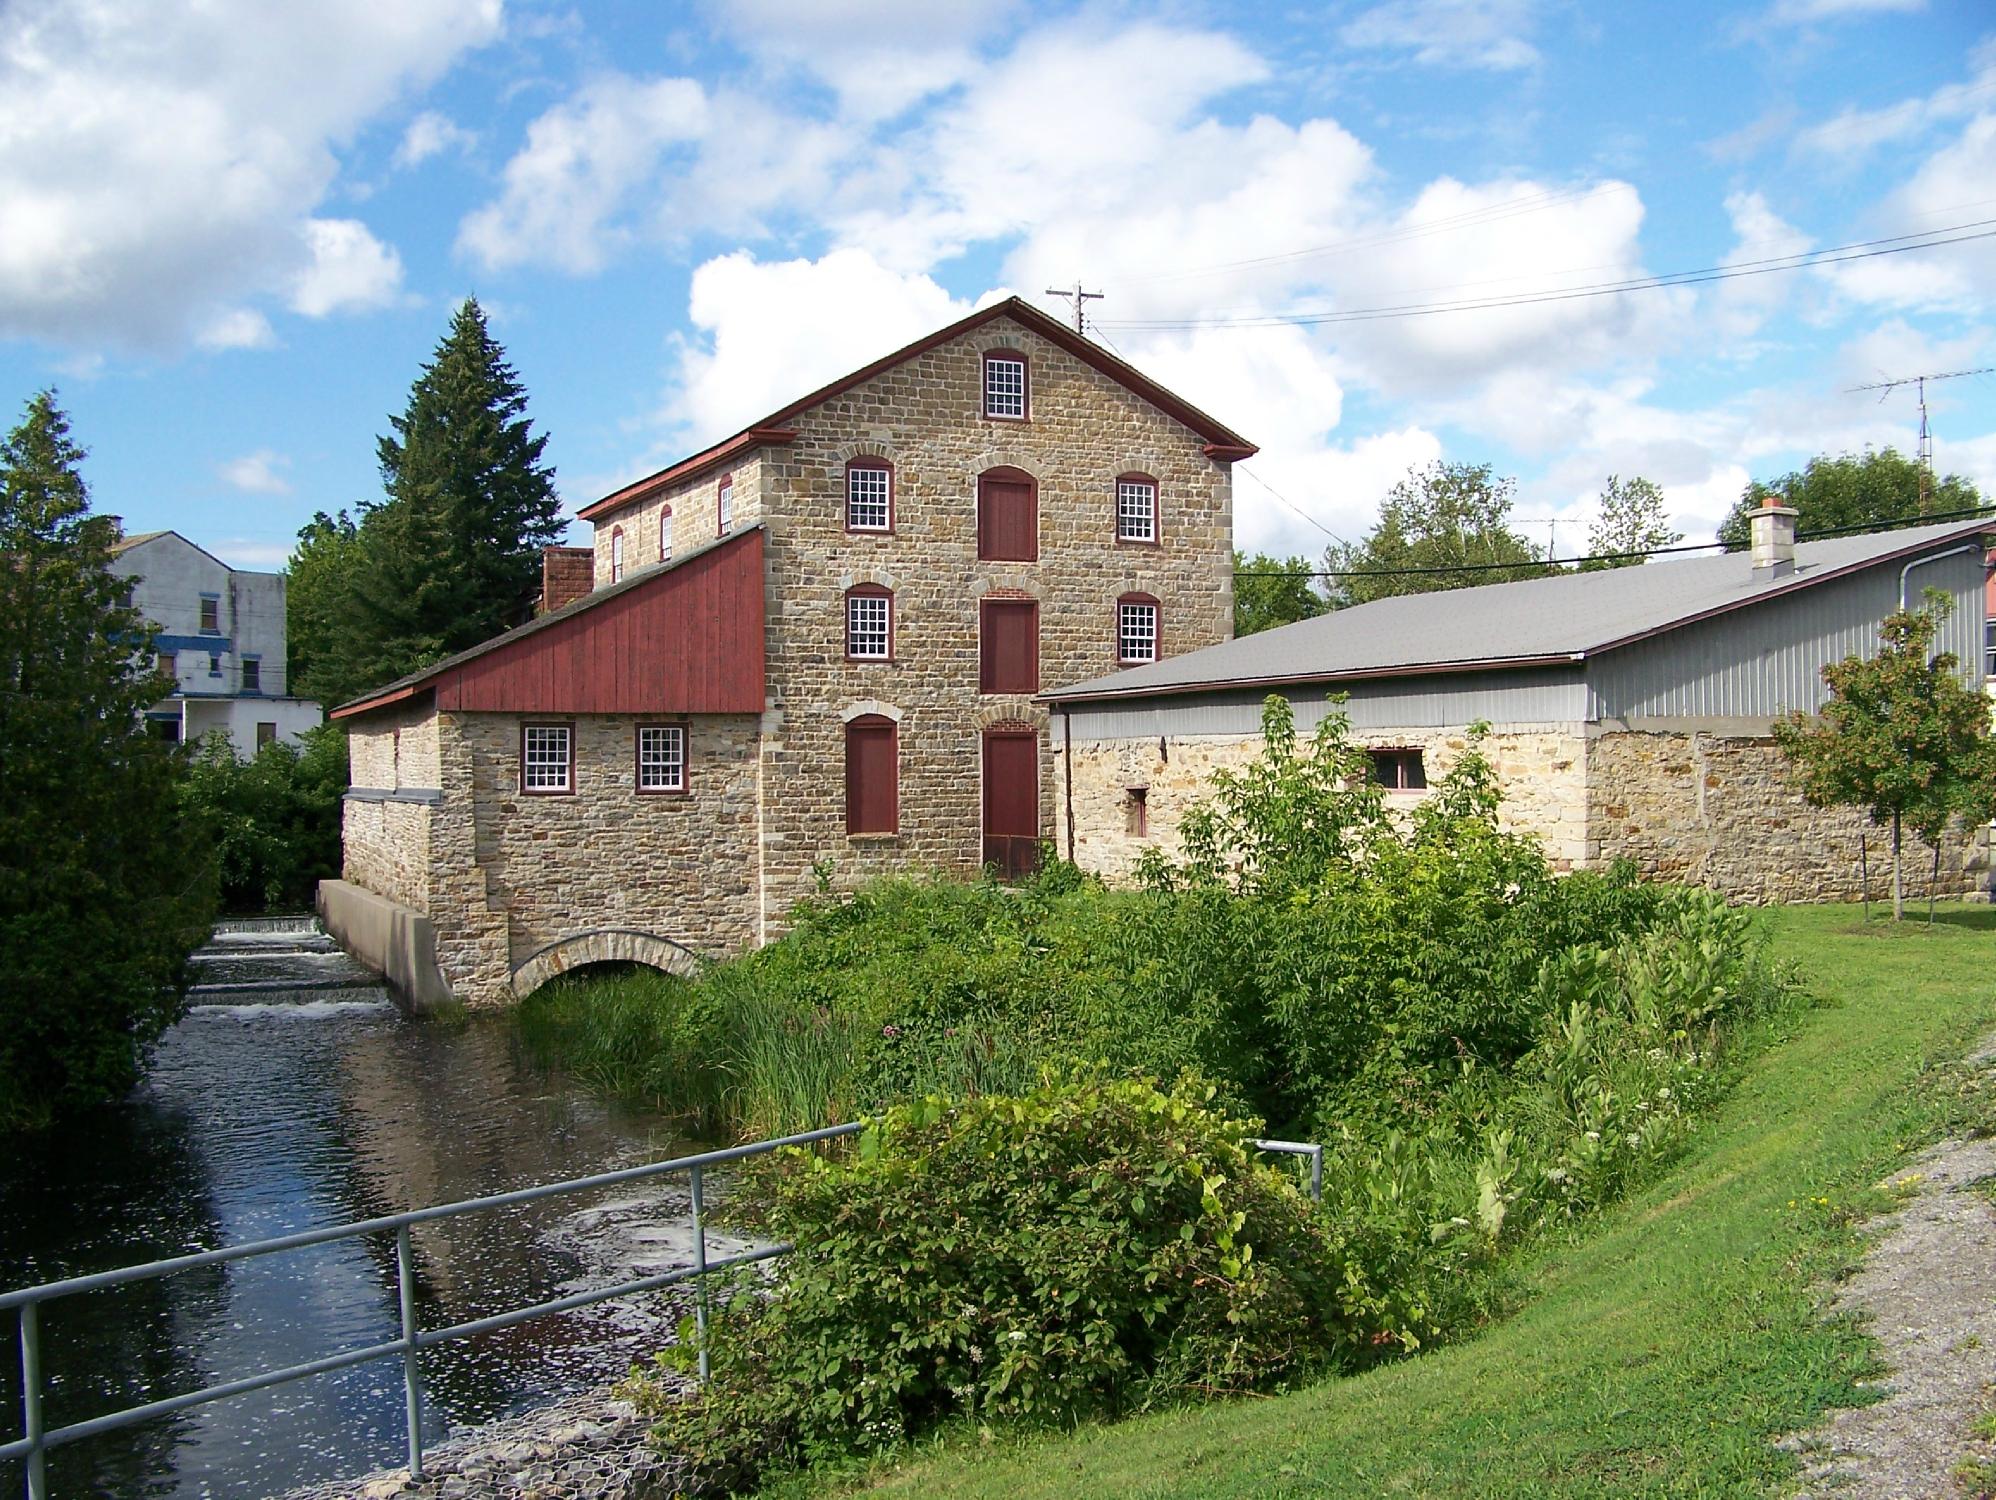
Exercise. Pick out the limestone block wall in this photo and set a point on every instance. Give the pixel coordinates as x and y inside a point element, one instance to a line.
<point>386,843</point>
<point>512,872</point>
<point>1722,810</point>
<point>1541,769</point>
<point>696,517</point>
<point>925,418</point>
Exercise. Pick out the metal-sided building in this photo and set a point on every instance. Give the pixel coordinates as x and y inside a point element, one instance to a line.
<point>1630,710</point>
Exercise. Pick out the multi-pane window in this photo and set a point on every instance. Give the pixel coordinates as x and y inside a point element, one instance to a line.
<point>1005,386</point>
<point>869,625</point>
<point>665,535</point>
<point>252,676</point>
<point>617,555</point>
<point>266,733</point>
<point>726,503</point>
<point>211,616</point>
<point>1136,630</point>
<point>1136,510</point>
<point>1989,648</point>
<point>547,758</point>
<point>661,757</point>
<point>1399,770</point>
<point>873,771</point>
<point>869,501</point>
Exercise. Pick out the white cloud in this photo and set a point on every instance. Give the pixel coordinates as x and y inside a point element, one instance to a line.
<point>1851,135</point>
<point>1740,307</point>
<point>350,269</point>
<point>1489,34</point>
<point>877,56</point>
<point>431,134</point>
<point>161,161</point>
<point>1808,12</point>
<point>257,473</point>
<point>1939,193</point>
<point>234,328</point>
<point>566,188</point>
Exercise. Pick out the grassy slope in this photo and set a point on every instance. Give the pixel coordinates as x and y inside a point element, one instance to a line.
<point>1660,1353</point>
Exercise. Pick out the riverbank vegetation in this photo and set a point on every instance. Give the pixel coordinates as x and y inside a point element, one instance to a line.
<point>270,822</point>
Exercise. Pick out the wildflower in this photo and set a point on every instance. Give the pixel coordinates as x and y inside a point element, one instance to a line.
<point>1663,1093</point>
<point>1593,1135</point>
<point>1016,1337</point>
<point>890,1031</point>
<point>1555,1174</point>
<point>1634,1139</point>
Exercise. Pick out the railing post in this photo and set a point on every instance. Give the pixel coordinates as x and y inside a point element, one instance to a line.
<point>699,1276</point>
<point>1317,1172</point>
<point>412,1390</point>
<point>31,1400</point>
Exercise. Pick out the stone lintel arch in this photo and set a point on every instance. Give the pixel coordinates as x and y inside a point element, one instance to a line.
<point>878,577</point>
<point>845,453</point>
<point>869,706</point>
<point>599,945</point>
<point>1012,713</point>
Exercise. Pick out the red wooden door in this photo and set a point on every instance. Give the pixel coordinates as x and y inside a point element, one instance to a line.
<point>1008,516</point>
<point>1012,801</point>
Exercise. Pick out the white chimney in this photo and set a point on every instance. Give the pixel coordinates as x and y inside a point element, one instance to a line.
<point>1773,531</point>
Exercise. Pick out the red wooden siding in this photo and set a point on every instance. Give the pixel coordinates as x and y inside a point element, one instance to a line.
<point>689,641</point>
<point>873,773</point>
<point>1008,516</point>
<point>1012,800</point>
<point>1009,647</point>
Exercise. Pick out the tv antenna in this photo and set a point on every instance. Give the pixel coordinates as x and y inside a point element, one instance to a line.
<point>1078,298</point>
<point>1925,456</point>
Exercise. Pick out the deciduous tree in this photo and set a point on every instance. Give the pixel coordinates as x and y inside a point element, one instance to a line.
<point>104,891</point>
<point>1902,737</point>
<point>1272,591</point>
<point>1879,488</point>
<point>1442,527</point>
<point>1630,518</point>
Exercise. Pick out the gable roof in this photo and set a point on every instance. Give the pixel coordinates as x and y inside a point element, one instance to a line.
<point>415,682</point>
<point>1535,622</point>
<point>127,544</point>
<point>1222,442</point>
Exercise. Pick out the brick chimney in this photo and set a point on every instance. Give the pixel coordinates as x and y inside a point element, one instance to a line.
<point>567,573</point>
<point>1773,533</point>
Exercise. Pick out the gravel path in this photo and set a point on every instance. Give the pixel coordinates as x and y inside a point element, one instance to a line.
<point>1929,1289</point>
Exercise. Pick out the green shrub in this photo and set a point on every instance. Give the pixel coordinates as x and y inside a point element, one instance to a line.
<point>1082,1251</point>
<point>273,821</point>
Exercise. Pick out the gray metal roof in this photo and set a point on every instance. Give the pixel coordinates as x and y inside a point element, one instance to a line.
<point>1538,621</point>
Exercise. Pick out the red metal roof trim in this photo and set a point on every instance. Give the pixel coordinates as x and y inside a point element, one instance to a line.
<point>1223,444</point>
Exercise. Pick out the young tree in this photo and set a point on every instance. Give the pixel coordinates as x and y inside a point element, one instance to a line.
<point>1444,517</point>
<point>103,892</point>
<point>1902,737</point>
<point>451,557</point>
<point>1630,518</point>
<point>1853,489</point>
<point>1272,591</point>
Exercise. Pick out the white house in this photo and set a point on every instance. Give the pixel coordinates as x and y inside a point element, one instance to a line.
<point>221,635</point>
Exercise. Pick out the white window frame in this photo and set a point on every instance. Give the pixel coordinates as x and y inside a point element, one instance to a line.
<point>1136,626</point>
<point>870,624</point>
<point>724,505</point>
<point>661,750</point>
<point>1128,490</point>
<point>537,744</point>
<point>996,395</point>
<point>617,555</point>
<point>883,501</point>
<point>665,535</point>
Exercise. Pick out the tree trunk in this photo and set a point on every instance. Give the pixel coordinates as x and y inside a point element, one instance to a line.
<point>1898,878</point>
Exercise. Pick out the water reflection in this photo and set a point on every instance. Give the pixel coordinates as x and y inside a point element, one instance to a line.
<point>273,1109</point>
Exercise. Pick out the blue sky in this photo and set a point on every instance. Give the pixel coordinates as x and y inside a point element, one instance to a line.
<point>229,234</point>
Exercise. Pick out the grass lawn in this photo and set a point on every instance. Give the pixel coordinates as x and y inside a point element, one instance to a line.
<point>1661,1351</point>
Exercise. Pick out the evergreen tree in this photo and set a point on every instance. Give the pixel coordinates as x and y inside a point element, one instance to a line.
<point>1902,737</point>
<point>451,556</point>
<point>1869,489</point>
<point>1272,591</point>
<point>1445,517</point>
<point>1630,518</point>
<point>103,893</point>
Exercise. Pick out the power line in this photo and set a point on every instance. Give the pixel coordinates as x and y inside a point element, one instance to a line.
<point>1804,260</point>
<point>1800,536</point>
<point>1244,469</point>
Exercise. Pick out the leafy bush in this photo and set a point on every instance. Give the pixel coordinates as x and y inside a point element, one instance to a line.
<point>1085,1250</point>
<point>273,821</point>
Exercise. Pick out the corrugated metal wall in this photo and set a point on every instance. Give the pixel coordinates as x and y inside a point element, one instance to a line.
<point>1761,661</point>
<point>1549,696</point>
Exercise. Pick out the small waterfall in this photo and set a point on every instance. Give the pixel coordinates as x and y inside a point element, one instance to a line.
<point>286,967</point>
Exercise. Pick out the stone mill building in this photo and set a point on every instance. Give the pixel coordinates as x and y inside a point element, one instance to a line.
<point>813,649</point>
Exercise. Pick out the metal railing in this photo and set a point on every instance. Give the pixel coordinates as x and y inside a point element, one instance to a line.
<point>38,1439</point>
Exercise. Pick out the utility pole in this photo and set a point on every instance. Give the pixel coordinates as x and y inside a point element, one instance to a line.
<point>1078,298</point>
<point>1925,455</point>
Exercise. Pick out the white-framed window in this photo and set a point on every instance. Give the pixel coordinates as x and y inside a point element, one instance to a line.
<point>1989,648</point>
<point>252,670</point>
<point>211,615</point>
<point>726,503</point>
<point>869,626</point>
<point>1005,387</point>
<point>547,758</point>
<point>665,535</point>
<point>661,757</point>
<point>617,555</point>
<point>1136,510</point>
<point>869,498</point>
<point>1136,631</point>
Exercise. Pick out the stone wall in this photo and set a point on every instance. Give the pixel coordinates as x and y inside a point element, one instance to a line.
<point>1722,810</point>
<point>925,418</point>
<point>1540,768</point>
<point>695,505</point>
<point>385,843</point>
<point>512,873</point>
